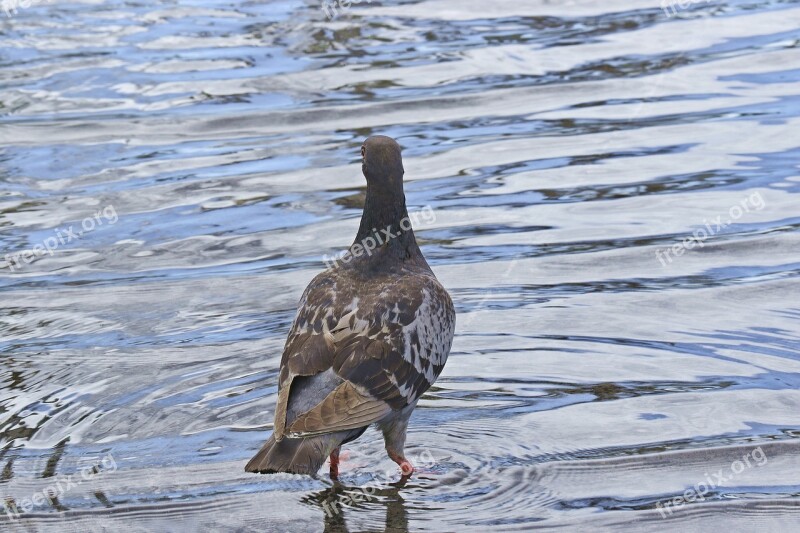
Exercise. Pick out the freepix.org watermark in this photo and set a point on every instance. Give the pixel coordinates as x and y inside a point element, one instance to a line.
<point>754,202</point>
<point>676,5</point>
<point>698,492</point>
<point>16,261</point>
<point>58,487</point>
<point>12,7</point>
<point>381,236</point>
<point>330,6</point>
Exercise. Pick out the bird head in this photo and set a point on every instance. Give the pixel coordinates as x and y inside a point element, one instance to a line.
<point>382,163</point>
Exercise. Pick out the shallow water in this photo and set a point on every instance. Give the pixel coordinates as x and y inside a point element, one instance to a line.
<point>564,148</point>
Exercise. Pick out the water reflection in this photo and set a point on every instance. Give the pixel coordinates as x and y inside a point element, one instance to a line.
<point>339,500</point>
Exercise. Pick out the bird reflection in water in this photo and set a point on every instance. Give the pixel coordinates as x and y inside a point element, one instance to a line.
<point>339,499</point>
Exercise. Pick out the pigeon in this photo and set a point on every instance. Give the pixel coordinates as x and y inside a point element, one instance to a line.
<point>372,333</point>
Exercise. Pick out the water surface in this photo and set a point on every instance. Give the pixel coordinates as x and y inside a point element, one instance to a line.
<point>601,368</point>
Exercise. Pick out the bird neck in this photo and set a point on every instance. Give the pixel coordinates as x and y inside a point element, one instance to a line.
<point>385,224</point>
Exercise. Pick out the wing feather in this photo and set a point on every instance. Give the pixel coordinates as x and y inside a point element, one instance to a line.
<point>346,407</point>
<point>380,366</point>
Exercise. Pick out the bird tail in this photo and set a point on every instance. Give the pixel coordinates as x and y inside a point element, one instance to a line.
<point>298,456</point>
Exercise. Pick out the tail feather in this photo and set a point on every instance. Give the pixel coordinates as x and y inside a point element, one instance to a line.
<point>298,456</point>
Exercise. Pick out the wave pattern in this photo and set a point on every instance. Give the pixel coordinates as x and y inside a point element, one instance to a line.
<point>615,191</point>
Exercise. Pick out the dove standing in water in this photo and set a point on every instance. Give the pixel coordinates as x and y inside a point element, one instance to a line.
<point>371,335</point>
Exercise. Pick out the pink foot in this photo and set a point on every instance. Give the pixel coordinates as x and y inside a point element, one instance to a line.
<point>405,465</point>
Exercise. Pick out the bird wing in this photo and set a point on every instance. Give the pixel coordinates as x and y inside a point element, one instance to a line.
<point>360,370</point>
<point>345,408</point>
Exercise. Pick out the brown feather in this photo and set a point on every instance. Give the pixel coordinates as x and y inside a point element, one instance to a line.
<point>345,408</point>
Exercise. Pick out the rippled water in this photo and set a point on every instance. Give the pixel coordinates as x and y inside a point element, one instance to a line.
<point>599,371</point>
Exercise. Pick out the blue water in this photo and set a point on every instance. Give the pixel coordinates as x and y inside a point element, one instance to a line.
<point>564,149</point>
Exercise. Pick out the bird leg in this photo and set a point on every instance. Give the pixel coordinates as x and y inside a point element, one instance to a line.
<point>405,465</point>
<point>394,434</point>
<point>335,463</point>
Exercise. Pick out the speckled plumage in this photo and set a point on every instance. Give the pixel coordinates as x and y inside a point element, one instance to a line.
<point>371,335</point>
